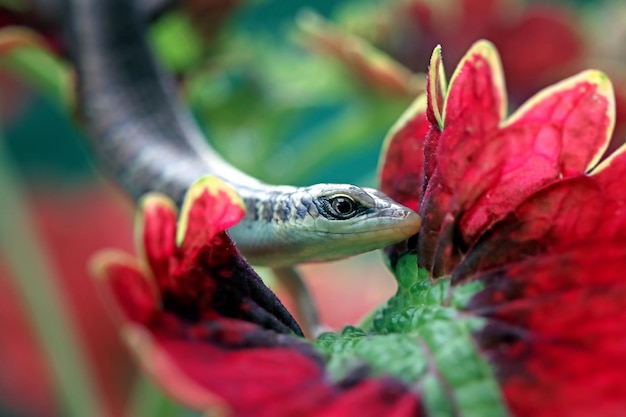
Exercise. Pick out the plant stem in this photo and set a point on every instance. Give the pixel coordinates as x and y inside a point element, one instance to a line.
<point>33,276</point>
<point>147,400</point>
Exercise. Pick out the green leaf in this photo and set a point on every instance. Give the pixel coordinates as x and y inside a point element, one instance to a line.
<point>396,354</point>
<point>297,115</point>
<point>175,42</point>
<point>24,53</point>
<point>422,336</point>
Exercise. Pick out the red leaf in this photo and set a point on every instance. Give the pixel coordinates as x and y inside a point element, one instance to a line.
<point>401,174</point>
<point>610,177</point>
<point>158,234</point>
<point>513,205</point>
<point>485,168</point>
<point>476,99</point>
<point>436,89</point>
<point>539,43</point>
<point>214,336</point>
<point>126,287</point>
<point>561,132</point>
<point>253,372</point>
<point>236,361</point>
<point>473,108</point>
<point>436,93</point>
<point>209,208</point>
<point>565,212</point>
<point>375,398</point>
<point>582,110</point>
<point>554,330</point>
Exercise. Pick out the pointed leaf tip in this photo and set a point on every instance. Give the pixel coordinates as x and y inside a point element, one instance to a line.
<point>155,227</point>
<point>436,87</point>
<point>98,265</point>
<point>605,89</point>
<point>154,199</point>
<point>481,59</point>
<point>221,208</point>
<point>149,204</point>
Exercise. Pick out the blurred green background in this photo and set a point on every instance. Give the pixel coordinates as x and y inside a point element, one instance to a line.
<point>271,107</point>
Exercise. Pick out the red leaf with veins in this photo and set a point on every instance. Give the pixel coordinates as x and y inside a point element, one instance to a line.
<point>510,205</point>
<point>555,330</point>
<point>610,176</point>
<point>210,332</point>
<point>486,166</point>
<point>520,208</point>
<point>565,212</point>
<point>560,132</point>
<point>578,111</point>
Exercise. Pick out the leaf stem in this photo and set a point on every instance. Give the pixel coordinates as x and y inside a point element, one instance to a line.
<point>33,275</point>
<point>147,400</point>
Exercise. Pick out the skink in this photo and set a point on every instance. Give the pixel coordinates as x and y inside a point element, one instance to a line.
<point>148,142</point>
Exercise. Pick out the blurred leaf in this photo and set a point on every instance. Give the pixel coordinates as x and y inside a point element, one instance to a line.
<point>295,114</point>
<point>148,400</point>
<point>376,69</point>
<point>368,19</point>
<point>24,53</point>
<point>175,41</point>
<point>353,130</point>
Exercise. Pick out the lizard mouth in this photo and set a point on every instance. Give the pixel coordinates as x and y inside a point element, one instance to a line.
<point>405,227</point>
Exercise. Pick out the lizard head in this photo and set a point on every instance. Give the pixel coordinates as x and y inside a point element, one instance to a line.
<point>357,219</point>
<point>325,222</point>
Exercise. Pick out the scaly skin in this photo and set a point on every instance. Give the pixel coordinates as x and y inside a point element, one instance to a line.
<point>147,141</point>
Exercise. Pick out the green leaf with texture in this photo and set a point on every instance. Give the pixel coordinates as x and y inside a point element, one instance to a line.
<point>421,337</point>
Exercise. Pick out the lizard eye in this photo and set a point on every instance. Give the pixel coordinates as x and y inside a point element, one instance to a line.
<point>342,205</point>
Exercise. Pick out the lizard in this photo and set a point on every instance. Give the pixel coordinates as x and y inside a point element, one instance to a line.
<point>148,141</point>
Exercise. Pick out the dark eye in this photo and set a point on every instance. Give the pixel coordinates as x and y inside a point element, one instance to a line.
<point>342,205</point>
<point>339,207</point>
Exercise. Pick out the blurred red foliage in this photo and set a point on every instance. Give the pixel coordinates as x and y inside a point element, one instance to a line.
<point>71,223</point>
